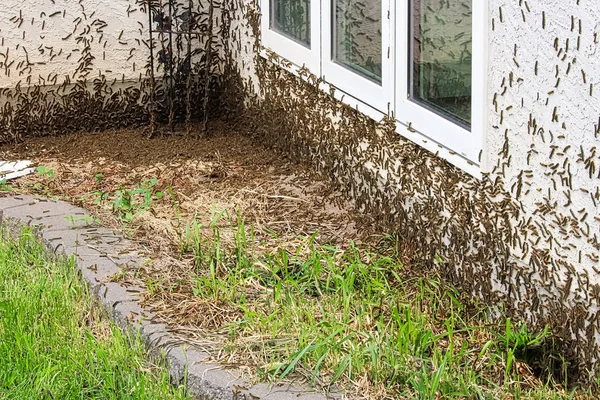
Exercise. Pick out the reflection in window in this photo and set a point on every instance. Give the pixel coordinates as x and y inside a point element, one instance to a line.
<point>441,56</point>
<point>357,36</point>
<point>292,19</point>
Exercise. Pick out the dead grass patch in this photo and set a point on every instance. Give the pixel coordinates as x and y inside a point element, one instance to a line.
<point>225,212</point>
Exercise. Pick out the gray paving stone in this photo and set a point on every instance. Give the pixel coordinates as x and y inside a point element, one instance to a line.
<point>101,267</point>
<point>66,221</point>
<point>116,249</point>
<point>155,335</point>
<point>124,250</point>
<point>88,252</point>
<point>16,201</point>
<point>114,293</point>
<point>130,314</point>
<point>94,283</point>
<point>39,210</point>
<point>80,252</point>
<point>62,221</point>
<point>64,237</point>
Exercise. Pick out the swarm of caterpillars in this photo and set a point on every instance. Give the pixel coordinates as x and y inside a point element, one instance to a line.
<point>492,243</point>
<point>167,60</point>
<point>205,59</point>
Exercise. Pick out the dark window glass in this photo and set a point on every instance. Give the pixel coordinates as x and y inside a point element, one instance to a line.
<point>441,56</point>
<point>357,36</point>
<point>292,19</point>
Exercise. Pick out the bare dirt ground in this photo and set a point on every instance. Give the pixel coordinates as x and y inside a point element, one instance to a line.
<point>200,178</point>
<point>227,171</point>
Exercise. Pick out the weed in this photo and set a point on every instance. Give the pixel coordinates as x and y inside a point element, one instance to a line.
<point>5,187</point>
<point>45,172</point>
<point>126,203</point>
<point>183,234</point>
<point>100,197</point>
<point>339,316</point>
<point>86,220</point>
<point>129,203</point>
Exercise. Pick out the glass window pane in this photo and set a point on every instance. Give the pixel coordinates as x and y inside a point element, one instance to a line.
<point>292,19</point>
<point>441,56</point>
<point>357,36</point>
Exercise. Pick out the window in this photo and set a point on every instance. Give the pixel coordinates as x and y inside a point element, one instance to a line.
<point>422,60</point>
<point>440,68</point>
<point>440,58</point>
<point>291,29</point>
<point>355,43</point>
<point>357,38</point>
<point>291,18</point>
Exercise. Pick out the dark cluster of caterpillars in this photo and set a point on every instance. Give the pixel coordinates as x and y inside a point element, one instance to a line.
<point>531,257</point>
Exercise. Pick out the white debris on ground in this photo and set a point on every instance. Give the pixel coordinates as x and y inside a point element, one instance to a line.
<point>15,169</point>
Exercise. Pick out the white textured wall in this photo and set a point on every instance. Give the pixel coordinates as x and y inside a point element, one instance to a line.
<point>543,134</point>
<point>52,34</point>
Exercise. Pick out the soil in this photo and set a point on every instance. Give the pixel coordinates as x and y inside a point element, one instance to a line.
<point>200,176</point>
<point>227,170</point>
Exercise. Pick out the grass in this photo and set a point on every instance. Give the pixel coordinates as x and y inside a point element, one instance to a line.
<point>347,316</point>
<point>54,341</point>
<point>356,318</point>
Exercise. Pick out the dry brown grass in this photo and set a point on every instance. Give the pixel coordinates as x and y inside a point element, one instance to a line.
<point>227,173</point>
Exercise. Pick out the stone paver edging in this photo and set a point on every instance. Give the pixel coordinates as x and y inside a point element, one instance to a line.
<point>101,253</point>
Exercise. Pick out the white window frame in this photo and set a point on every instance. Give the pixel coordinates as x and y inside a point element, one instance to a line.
<point>290,49</point>
<point>429,125</point>
<point>458,145</point>
<point>366,91</point>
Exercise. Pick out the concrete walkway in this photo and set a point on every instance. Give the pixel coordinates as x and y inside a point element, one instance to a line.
<point>101,253</point>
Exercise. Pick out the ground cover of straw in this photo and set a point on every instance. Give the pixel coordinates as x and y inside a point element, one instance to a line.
<point>264,265</point>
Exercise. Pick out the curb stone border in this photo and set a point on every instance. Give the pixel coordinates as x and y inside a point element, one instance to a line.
<point>99,253</point>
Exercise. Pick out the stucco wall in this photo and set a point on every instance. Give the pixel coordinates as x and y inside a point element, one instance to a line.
<point>44,39</point>
<point>71,66</point>
<point>542,139</point>
<point>542,143</point>
<point>525,236</point>
<point>85,65</point>
<point>545,121</point>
